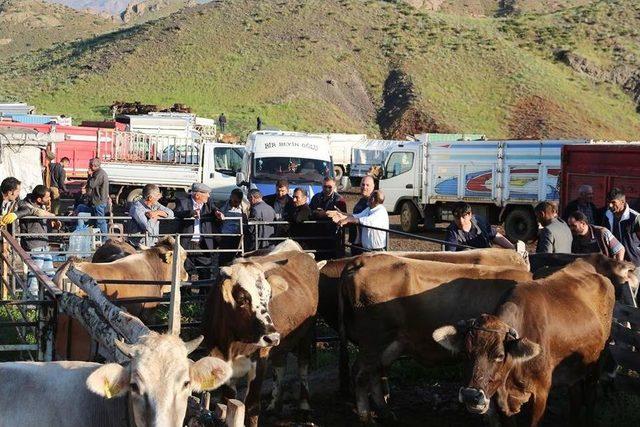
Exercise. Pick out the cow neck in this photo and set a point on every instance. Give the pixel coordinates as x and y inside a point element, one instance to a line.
<point>217,337</point>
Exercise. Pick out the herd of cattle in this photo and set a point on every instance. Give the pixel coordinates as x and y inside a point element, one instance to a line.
<point>525,324</point>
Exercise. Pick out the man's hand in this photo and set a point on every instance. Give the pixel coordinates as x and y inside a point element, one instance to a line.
<point>336,216</point>
<point>219,215</point>
<point>56,224</point>
<point>154,214</point>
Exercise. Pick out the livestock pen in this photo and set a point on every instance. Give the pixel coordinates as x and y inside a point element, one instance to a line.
<point>419,396</point>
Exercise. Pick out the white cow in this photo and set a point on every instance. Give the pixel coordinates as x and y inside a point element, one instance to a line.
<point>152,390</point>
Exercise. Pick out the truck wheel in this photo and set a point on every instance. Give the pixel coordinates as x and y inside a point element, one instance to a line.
<point>409,217</point>
<point>520,224</point>
<point>134,195</point>
<point>338,172</point>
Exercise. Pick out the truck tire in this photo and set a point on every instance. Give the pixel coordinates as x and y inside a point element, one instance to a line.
<point>409,217</point>
<point>134,195</point>
<point>338,172</point>
<point>520,224</point>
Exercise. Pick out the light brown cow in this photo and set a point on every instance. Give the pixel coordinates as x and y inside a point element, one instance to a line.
<point>390,305</point>
<point>153,264</point>
<point>260,303</point>
<point>547,332</point>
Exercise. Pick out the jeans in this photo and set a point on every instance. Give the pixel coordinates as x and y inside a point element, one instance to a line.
<point>45,263</point>
<point>97,210</point>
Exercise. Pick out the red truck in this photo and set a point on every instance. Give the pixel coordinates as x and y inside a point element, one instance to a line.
<point>603,167</point>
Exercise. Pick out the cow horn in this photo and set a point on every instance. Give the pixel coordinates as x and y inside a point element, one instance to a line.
<point>126,349</point>
<point>193,344</point>
<point>513,334</point>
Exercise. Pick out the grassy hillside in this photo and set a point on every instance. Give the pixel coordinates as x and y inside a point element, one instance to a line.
<point>339,65</point>
<point>27,25</point>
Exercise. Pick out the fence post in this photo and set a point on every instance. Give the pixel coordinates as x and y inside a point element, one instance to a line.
<point>235,413</point>
<point>174,303</point>
<point>241,236</point>
<point>4,291</point>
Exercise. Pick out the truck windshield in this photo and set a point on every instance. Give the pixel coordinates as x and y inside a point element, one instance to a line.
<point>292,169</point>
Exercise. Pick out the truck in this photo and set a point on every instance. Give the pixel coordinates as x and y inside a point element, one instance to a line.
<point>502,180</point>
<point>341,146</point>
<point>301,158</point>
<point>603,166</point>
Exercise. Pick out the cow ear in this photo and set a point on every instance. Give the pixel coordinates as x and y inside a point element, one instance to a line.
<point>209,373</point>
<point>193,344</point>
<point>110,380</point>
<point>449,337</point>
<point>278,284</point>
<point>521,349</point>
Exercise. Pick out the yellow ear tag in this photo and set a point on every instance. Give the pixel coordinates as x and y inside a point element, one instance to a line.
<point>110,391</point>
<point>208,384</point>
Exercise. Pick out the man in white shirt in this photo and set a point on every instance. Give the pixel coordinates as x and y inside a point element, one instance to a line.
<point>374,216</point>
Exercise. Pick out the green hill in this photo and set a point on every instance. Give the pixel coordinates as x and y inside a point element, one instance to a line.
<point>352,66</point>
<point>28,25</point>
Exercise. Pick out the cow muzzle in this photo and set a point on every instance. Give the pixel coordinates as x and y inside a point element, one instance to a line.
<point>269,340</point>
<point>474,399</point>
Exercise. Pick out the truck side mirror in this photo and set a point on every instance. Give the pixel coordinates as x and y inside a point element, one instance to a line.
<point>240,179</point>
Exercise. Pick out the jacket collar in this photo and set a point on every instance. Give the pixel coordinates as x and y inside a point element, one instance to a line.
<point>625,215</point>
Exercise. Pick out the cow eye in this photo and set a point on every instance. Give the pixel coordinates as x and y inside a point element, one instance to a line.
<point>499,358</point>
<point>134,388</point>
<point>186,384</point>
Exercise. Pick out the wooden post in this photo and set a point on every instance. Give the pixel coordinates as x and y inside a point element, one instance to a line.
<point>235,413</point>
<point>4,286</point>
<point>174,303</point>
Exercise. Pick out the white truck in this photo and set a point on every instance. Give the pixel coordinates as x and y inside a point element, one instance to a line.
<point>133,160</point>
<point>502,180</point>
<point>341,146</point>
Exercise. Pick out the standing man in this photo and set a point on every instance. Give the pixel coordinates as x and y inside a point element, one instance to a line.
<point>222,122</point>
<point>206,220</point>
<point>624,223</point>
<point>301,213</point>
<point>584,203</point>
<point>260,211</point>
<point>471,230</point>
<point>258,123</point>
<point>38,244</point>
<point>58,182</point>
<point>321,203</point>
<point>145,215</point>
<point>367,185</point>
<point>556,236</point>
<point>588,239</point>
<point>375,215</point>
<point>97,188</point>
<point>281,201</point>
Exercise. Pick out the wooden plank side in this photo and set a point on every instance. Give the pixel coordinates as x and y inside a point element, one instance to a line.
<point>625,358</point>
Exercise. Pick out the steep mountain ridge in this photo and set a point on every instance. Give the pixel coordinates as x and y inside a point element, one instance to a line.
<point>338,65</point>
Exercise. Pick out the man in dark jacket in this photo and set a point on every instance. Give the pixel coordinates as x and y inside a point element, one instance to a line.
<point>556,236</point>
<point>37,245</point>
<point>281,201</point>
<point>471,230</point>
<point>588,239</point>
<point>584,203</point>
<point>197,215</point>
<point>97,188</point>
<point>328,200</point>
<point>58,183</point>
<point>260,211</point>
<point>301,213</point>
<point>624,223</point>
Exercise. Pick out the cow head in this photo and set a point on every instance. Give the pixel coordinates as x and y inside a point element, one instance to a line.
<point>494,349</point>
<point>164,249</point>
<point>619,272</point>
<point>159,379</point>
<point>246,293</point>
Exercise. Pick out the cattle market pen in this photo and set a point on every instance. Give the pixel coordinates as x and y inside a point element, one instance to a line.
<point>30,334</point>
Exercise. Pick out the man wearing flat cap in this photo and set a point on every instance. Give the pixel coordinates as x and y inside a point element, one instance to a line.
<point>206,219</point>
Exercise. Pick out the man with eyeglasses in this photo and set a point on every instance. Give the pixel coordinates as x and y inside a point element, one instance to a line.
<point>321,203</point>
<point>584,203</point>
<point>467,229</point>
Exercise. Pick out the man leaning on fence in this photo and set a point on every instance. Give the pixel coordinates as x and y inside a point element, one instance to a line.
<point>34,239</point>
<point>197,216</point>
<point>146,214</point>
<point>375,215</point>
<point>471,230</point>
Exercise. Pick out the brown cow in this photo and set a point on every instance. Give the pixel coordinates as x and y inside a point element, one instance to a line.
<point>548,332</point>
<point>112,250</point>
<point>154,264</point>
<point>259,303</point>
<point>331,272</point>
<point>390,305</point>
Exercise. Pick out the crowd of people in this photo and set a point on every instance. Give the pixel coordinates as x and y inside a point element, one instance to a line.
<point>215,234</point>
